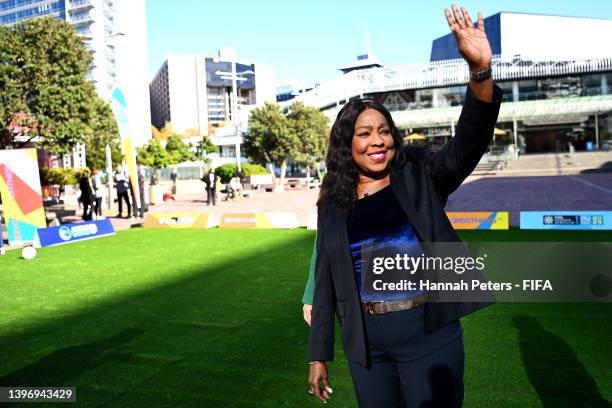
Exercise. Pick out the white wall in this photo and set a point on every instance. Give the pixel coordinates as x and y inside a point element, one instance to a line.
<point>552,38</point>
<point>186,97</point>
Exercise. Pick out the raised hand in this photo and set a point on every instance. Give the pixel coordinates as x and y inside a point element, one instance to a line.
<point>471,41</point>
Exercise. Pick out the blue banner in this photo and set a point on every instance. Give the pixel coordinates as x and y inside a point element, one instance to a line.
<point>566,220</point>
<point>72,232</point>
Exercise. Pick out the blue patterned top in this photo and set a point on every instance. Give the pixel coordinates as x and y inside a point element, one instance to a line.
<point>377,225</point>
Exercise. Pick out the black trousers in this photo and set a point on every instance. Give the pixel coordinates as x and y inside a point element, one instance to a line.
<point>98,206</point>
<point>87,210</point>
<point>124,195</point>
<point>211,196</point>
<point>408,367</point>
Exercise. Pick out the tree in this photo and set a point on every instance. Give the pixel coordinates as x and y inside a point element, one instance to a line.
<point>311,128</point>
<point>205,147</point>
<point>153,155</point>
<point>45,95</point>
<point>269,140</point>
<point>178,150</point>
<point>103,131</point>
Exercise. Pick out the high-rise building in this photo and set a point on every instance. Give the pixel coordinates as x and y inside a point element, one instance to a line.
<point>196,93</point>
<point>114,33</point>
<point>211,96</point>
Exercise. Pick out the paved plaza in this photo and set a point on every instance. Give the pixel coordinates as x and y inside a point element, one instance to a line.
<point>513,194</point>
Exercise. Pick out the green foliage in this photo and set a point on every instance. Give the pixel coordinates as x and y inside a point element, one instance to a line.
<point>269,139</point>
<point>228,171</point>
<point>45,95</point>
<point>103,131</point>
<point>311,128</point>
<point>58,176</point>
<point>153,155</point>
<point>300,132</point>
<point>206,146</point>
<point>178,150</point>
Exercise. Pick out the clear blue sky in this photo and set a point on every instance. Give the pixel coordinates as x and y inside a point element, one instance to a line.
<point>309,40</point>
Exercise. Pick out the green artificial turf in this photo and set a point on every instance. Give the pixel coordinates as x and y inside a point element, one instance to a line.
<point>212,318</point>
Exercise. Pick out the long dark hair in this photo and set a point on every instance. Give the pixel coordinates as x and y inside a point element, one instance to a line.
<point>340,182</point>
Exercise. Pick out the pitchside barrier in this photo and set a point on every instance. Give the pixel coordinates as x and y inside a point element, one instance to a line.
<point>67,233</point>
<point>479,220</point>
<point>259,220</point>
<point>466,220</point>
<point>179,220</point>
<point>566,220</point>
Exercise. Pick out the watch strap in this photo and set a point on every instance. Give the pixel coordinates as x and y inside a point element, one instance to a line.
<point>482,75</point>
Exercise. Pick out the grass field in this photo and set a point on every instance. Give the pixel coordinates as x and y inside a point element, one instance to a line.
<point>192,318</point>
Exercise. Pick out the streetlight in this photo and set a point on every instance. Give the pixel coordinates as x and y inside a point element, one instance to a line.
<point>234,102</point>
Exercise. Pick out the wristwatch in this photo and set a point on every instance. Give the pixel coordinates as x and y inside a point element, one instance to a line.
<point>480,76</point>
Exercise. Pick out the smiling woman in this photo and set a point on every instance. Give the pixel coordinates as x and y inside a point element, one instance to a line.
<point>402,349</point>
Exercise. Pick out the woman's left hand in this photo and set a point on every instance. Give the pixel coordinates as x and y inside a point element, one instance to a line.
<point>307,309</point>
<point>471,41</point>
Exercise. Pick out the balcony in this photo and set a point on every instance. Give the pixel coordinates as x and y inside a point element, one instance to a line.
<point>80,5</point>
<point>80,19</point>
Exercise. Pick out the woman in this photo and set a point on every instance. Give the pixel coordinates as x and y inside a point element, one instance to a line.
<point>403,348</point>
<point>98,190</point>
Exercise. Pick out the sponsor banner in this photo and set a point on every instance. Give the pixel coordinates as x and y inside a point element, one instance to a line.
<point>566,220</point>
<point>178,220</point>
<point>72,232</point>
<point>21,195</point>
<point>259,220</point>
<point>480,220</point>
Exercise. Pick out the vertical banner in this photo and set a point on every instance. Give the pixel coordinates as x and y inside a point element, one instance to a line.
<point>130,159</point>
<point>21,194</point>
<point>119,107</point>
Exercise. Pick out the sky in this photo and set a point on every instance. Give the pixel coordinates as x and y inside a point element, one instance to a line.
<point>309,40</point>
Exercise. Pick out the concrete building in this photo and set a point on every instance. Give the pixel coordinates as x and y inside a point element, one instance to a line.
<point>555,80</point>
<point>210,96</point>
<point>114,33</point>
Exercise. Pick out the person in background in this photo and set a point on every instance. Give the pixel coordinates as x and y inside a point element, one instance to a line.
<point>173,177</point>
<point>132,190</point>
<point>141,186</point>
<point>98,191</point>
<point>211,187</point>
<point>218,186</point>
<point>87,196</point>
<point>235,188</point>
<point>122,185</point>
<point>1,239</point>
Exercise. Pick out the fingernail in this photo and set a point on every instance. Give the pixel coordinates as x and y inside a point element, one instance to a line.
<point>328,389</point>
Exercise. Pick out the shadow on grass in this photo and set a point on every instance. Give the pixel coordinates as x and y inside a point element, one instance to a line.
<point>230,334</point>
<point>553,369</point>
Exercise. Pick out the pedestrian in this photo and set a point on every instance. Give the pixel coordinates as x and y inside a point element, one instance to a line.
<point>1,238</point>
<point>173,177</point>
<point>211,187</point>
<point>122,185</point>
<point>141,187</point>
<point>404,348</point>
<point>98,191</point>
<point>87,196</point>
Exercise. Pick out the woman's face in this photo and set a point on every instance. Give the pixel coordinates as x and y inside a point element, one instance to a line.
<point>372,147</point>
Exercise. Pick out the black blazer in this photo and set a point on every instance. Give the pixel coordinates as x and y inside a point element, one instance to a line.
<point>422,185</point>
